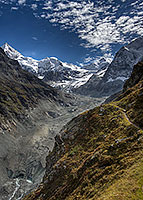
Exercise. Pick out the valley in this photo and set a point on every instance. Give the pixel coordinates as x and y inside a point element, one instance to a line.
<point>36,140</point>
<point>32,114</point>
<point>56,129</point>
<point>98,154</point>
<point>71,100</point>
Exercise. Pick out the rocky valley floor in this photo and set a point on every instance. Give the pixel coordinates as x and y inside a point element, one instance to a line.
<point>26,153</point>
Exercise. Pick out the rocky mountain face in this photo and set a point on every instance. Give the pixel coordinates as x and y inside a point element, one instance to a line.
<point>118,71</point>
<point>20,89</point>
<point>99,67</point>
<point>98,155</point>
<point>31,114</point>
<point>97,79</point>
<point>58,74</point>
<point>136,76</point>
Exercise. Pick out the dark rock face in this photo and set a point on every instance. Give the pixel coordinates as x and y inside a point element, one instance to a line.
<point>90,87</point>
<point>20,89</point>
<point>60,75</point>
<point>96,87</point>
<point>136,76</point>
<point>125,59</point>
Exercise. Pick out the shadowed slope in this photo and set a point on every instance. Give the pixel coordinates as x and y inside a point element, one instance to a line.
<point>21,90</point>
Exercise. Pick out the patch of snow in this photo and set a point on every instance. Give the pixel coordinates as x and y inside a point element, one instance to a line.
<point>29,181</point>
<point>78,82</point>
<point>101,72</point>
<point>126,48</point>
<point>40,77</point>
<point>118,78</point>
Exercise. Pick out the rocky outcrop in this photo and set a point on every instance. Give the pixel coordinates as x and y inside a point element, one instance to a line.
<point>136,76</point>
<point>21,90</point>
<point>122,65</point>
<point>98,67</point>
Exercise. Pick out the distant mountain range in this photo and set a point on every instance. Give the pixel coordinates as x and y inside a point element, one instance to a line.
<point>57,73</point>
<point>97,80</point>
<point>51,70</point>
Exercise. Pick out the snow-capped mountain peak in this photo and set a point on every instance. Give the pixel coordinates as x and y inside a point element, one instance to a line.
<point>124,60</point>
<point>11,52</point>
<point>27,63</point>
<point>119,70</point>
<point>98,67</point>
<point>50,69</point>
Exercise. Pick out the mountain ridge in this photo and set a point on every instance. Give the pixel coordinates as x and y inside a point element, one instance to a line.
<point>117,73</point>
<point>58,74</point>
<point>69,75</point>
<point>22,126</point>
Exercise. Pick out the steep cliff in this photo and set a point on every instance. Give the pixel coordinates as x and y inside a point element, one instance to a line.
<point>119,70</point>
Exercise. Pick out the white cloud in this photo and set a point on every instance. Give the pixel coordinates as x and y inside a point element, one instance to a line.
<point>88,59</point>
<point>34,38</point>
<point>121,20</point>
<point>98,24</point>
<point>14,8</point>
<point>20,2</point>
<point>34,6</point>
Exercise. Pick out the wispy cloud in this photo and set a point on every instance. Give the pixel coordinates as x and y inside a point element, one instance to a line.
<point>34,38</point>
<point>14,8</point>
<point>98,24</point>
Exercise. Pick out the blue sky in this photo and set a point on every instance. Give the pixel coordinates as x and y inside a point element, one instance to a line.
<point>73,31</point>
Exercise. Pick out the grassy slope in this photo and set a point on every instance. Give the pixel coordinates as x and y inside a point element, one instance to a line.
<point>102,156</point>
